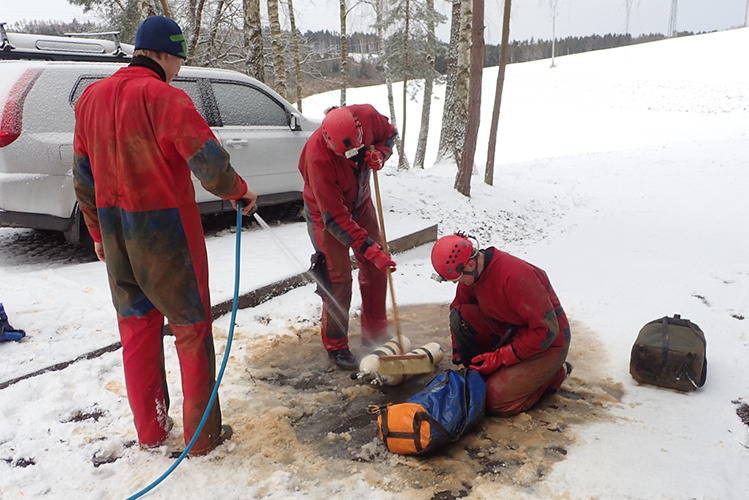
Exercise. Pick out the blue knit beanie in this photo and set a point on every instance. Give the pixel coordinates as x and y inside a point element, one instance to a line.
<point>161,34</point>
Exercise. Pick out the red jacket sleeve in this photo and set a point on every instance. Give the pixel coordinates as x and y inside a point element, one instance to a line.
<point>529,298</point>
<point>184,129</point>
<point>323,183</point>
<point>376,128</point>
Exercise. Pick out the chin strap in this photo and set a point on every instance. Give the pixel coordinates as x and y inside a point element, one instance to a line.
<point>475,273</point>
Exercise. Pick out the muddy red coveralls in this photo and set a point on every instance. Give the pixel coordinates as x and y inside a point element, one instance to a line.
<point>136,141</point>
<point>512,304</point>
<point>340,215</point>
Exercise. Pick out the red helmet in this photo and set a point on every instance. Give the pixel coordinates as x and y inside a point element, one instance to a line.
<point>342,132</point>
<point>450,255</point>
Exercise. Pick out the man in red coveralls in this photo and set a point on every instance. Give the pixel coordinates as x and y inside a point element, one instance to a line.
<point>137,139</point>
<point>506,322</point>
<point>335,164</point>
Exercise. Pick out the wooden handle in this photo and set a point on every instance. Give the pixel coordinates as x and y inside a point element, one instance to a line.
<point>385,249</point>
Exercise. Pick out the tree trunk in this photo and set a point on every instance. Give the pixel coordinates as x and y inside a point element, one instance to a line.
<point>456,115</point>
<point>276,45</point>
<point>344,51</point>
<point>253,40</point>
<point>147,9</point>
<point>297,63</point>
<point>196,18</point>
<point>489,173</point>
<point>213,31</point>
<point>463,179</point>
<point>402,159</point>
<point>446,144</point>
<point>380,12</point>
<point>426,106</point>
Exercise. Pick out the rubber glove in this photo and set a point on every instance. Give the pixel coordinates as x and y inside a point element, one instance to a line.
<point>489,362</point>
<point>374,159</point>
<point>379,258</point>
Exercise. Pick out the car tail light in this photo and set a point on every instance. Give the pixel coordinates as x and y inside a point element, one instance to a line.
<point>11,120</point>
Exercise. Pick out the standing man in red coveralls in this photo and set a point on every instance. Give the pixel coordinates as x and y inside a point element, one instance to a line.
<point>137,139</point>
<point>506,322</point>
<point>335,164</point>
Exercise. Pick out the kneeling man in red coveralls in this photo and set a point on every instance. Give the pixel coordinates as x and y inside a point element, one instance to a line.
<point>336,163</point>
<point>506,322</point>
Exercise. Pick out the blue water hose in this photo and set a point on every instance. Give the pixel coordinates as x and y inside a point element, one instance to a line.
<point>220,372</point>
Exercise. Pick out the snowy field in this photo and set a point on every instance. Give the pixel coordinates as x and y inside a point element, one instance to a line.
<point>622,173</point>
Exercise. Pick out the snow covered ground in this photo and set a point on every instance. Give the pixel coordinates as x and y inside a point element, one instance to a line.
<point>622,173</point>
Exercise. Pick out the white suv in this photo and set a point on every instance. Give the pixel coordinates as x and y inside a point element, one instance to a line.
<point>263,133</point>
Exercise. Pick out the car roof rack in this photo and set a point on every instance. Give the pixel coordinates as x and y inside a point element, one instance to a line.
<point>70,47</point>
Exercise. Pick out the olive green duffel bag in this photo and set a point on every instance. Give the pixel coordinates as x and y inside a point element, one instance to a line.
<point>670,352</point>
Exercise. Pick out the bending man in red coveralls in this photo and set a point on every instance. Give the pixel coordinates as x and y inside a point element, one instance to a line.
<point>506,322</point>
<point>335,164</point>
<point>137,139</point>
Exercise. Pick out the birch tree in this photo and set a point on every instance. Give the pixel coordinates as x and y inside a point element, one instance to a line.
<point>463,178</point>
<point>426,106</point>
<point>455,110</point>
<point>213,30</point>
<point>195,19</point>
<point>253,40</point>
<point>276,44</point>
<point>343,13</point>
<point>407,17</point>
<point>297,62</point>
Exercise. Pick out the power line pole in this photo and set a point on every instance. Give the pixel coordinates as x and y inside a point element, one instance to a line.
<point>672,18</point>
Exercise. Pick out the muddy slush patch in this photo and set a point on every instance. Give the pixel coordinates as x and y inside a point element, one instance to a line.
<point>292,410</point>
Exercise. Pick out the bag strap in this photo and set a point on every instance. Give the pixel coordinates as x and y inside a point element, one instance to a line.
<point>388,434</point>
<point>701,336</point>
<point>666,341</point>
<point>688,361</point>
<point>466,399</point>
<point>422,416</point>
<point>415,436</point>
<point>463,372</point>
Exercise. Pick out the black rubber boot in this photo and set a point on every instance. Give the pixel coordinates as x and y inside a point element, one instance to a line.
<point>344,359</point>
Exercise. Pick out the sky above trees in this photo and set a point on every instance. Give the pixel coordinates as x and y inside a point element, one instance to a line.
<point>530,18</point>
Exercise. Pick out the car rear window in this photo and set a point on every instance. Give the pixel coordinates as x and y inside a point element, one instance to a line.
<point>81,86</point>
<point>243,105</point>
<point>190,87</point>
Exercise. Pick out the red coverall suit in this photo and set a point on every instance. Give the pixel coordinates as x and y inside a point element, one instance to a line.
<point>340,215</point>
<point>512,304</point>
<point>136,141</point>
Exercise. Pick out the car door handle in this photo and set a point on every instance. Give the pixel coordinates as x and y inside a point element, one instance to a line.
<point>236,143</point>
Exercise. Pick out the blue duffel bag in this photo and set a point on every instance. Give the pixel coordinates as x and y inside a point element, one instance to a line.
<point>450,405</point>
<point>7,332</point>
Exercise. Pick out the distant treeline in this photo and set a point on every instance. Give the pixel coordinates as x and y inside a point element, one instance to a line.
<point>363,44</point>
<point>321,60</point>
<point>519,51</point>
<point>531,50</point>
